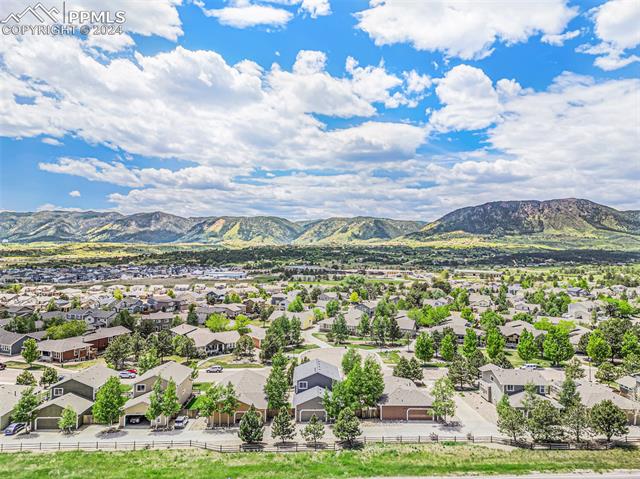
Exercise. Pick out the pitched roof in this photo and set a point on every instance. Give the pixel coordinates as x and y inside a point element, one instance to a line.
<point>316,366</point>
<point>79,404</point>
<point>183,329</point>
<point>593,393</point>
<point>62,345</point>
<point>403,392</point>
<point>94,376</point>
<point>8,337</point>
<point>516,377</point>
<point>249,386</point>
<point>168,370</point>
<point>307,395</point>
<point>103,333</point>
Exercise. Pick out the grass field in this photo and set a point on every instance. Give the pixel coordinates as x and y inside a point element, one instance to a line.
<point>373,461</point>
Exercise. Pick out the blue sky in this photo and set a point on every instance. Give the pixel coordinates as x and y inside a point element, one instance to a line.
<point>317,108</point>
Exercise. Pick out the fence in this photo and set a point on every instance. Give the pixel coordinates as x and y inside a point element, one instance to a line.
<point>300,447</point>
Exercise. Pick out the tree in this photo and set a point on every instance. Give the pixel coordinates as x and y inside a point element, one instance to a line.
<point>543,422</point>
<point>510,421</point>
<point>354,297</point>
<point>378,330</point>
<point>401,369</point>
<point>30,351</point>
<point>607,373</point>
<point>569,396</point>
<point>110,399</point>
<point>49,377</point>
<point>372,382</point>
<point>163,343</point>
<point>608,419</point>
<point>364,326</point>
<point>276,388</point>
<point>251,427</point>
<point>295,332</point>
<point>347,427</point>
<point>415,370</point>
<point>349,360</point>
<point>118,351</point>
<point>495,343</point>
<point>23,411</point>
<point>573,369</point>
<point>598,348</point>
<point>217,322</point>
<point>339,329</point>
<point>154,411</point>
<point>613,330</point>
<point>68,329</point>
<point>170,403</point>
<point>124,318</point>
<point>244,347</point>
<point>394,333</point>
<point>186,346</point>
<point>459,371</point>
<point>470,345</point>
<point>527,348</point>
<point>148,360</point>
<point>557,347</point>
<point>282,426</point>
<point>296,306</point>
<point>576,421</point>
<point>630,344</point>
<point>211,402</point>
<point>314,431</point>
<point>68,420</point>
<point>192,316</point>
<point>443,403</point>
<point>424,348</point>
<point>448,347</point>
<point>229,404</point>
<point>332,308</point>
<point>25,378</point>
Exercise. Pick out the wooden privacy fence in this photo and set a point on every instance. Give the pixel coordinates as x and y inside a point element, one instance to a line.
<point>117,445</point>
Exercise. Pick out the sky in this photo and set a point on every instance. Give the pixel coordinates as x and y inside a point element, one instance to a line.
<point>308,109</point>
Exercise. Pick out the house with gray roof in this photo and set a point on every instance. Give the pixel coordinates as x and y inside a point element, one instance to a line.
<point>308,402</point>
<point>402,400</point>
<point>47,414</point>
<point>11,343</point>
<point>495,382</point>
<point>315,373</point>
<point>84,383</point>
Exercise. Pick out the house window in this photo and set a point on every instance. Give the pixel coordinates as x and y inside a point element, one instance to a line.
<point>541,389</point>
<point>58,391</point>
<point>303,384</point>
<point>140,388</point>
<point>510,387</point>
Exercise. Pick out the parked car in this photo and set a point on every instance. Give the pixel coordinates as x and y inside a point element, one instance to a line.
<point>181,422</point>
<point>530,366</point>
<point>14,428</point>
<point>215,369</point>
<point>126,375</point>
<point>132,370</point>
<point>135,420</point>
<point>3,366</point>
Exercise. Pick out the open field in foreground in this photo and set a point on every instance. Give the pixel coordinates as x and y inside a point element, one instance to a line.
<point>374,461</point>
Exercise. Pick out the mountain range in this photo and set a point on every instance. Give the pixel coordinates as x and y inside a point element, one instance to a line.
<point>553,223</point>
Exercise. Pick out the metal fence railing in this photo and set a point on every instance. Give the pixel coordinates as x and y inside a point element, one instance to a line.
<point>302,447</point>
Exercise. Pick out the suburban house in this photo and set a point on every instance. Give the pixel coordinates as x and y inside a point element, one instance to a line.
<point>9,396</point>
<point>311,380</point>
<point>629,387</point>
<point>47,414</point>
<point>132,304</point>
<point>209,343</point>
<point>257,335</point>
<point>352,317</point>
<point>309,402</point>
<point>11,343</point>
<point>402,400</point>
<point>306,318</point>
<point>84,383</point>
<point>368,306</point>
<point>513,330</point>
<point>161,320</point>
<point>249,388</point>
<point>457,324</point>
<point>101,338</point>
<point>161,303</point>
<point>63,350</point>
<point>406,324</point>
<point>143,386</point>
<point>496,382</point>
<point>581,310</point>
<point>231,310</point>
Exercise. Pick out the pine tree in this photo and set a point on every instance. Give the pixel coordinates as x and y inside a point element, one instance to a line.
<point>349,360</point>
<point>510,421</point>
<point>394,333</point>
<point>230,401</point>
<point>347,427</point>
<point>276,388</point>
<point>283,426</point>
<point>251,427</point>
<point>192,316</point>
<point>314,431</point>
<point>339,329</point>
<point>68,420</point>
<point>569,396</point>
<point>364,326</point>
<point>576,421</point>
<point>118,351</point>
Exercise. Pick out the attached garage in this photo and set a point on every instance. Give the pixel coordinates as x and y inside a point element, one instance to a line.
<point>403,401</point>
<point>309,402</point>
<point>49,413</point>
<point>135,407</point>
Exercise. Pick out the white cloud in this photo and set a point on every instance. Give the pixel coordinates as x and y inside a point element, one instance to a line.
<point>616,26</point>
<point>52,207</point>
<point>558,40</point>
<point>471,102</point>
<point>416,83</point>
<point>75,194</point>
<point>316,8</point>
<point>244,14</point>
<point>467,30</point>
<point>52,141</point>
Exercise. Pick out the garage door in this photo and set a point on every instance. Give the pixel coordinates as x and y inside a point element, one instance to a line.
<point>305,415</point>
<point>46,423</point>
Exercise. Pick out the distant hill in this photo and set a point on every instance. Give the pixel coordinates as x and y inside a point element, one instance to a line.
<point>551,223</point>
<point>557,224</point>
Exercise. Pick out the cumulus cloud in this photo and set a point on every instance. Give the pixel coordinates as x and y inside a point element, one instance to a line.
<point>468,30</point>
<point>244,14</point>
<point>616,26</point>
<point>75,194</point>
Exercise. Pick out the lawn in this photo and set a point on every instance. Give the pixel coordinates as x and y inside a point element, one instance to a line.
<point>517,361</point>
<point>21,365</point>
<point>226,362</point>
<point>303,348</point>
<point>378,460</point>
<point>84,364</point>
